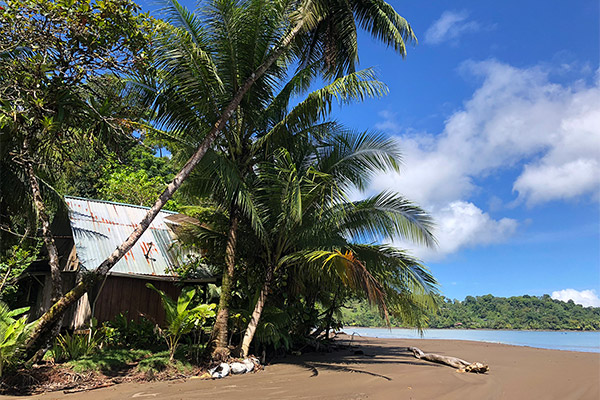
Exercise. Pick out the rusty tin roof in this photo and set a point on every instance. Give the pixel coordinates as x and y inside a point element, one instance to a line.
<point>100,226</point>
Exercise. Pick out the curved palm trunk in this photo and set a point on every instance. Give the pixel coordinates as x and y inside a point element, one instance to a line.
<point>219,333</point>
<point>258,309</point>
<point>59,308</point>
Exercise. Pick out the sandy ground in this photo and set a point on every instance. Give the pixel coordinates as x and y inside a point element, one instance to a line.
<point>387,371</point>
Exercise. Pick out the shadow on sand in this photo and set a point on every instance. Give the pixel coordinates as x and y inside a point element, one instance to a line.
<point>347,356</point>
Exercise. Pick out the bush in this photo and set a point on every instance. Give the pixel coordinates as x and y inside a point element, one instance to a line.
<point>123,331</point>
<point>13,333</point>
<point>73,346</point>
<point>181,317</point>
<point>12,265</point>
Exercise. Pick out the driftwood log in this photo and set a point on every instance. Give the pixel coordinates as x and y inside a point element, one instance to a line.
<point>460,365</point>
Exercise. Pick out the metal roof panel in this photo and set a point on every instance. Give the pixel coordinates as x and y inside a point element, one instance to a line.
<point>99,227</point>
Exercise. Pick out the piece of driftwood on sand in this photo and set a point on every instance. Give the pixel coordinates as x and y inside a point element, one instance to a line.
<point>460,365</point>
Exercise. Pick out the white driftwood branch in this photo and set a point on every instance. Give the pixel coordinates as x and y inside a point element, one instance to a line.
<point>460,365</point>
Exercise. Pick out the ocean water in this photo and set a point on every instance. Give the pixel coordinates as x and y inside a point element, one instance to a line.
<point>557,340</point>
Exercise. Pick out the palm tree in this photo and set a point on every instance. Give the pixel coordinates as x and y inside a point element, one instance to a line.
<point>286,29</point>
<point>224,174</point>
<point>310,222</point>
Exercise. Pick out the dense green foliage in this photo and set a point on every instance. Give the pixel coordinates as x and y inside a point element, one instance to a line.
<point>12,264</point>
<point>272,180</point>
<point>135,176</point>
<point>123,331</point>
<point>59,100</point>
<point>182,317</point>
<point>106,347</point>
<point>13,332</point>
<point>489,312</point>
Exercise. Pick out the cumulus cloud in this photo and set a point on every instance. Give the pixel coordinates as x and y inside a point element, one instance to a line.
<point>587,298</point>
<point>517,119</point>
<point>450,26</point>
<point>462,224</point>
<point>545,181</point>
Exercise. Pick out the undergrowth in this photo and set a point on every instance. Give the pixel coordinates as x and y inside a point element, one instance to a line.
<point>110,361</point>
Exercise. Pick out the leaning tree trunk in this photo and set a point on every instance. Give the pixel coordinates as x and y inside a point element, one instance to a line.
<point>59,308</point>
<point>55,277</point>
<point>219,333</point>
<point>42,215</point>
<point>258,309</point>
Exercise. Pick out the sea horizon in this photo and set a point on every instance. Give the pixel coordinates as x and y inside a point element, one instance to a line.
<point>580,341</point>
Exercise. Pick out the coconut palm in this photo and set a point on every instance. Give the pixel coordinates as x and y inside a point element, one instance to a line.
<point>194,84</point>
<point>281,32</point>
<point>225,174</point>
<point>310,222</point>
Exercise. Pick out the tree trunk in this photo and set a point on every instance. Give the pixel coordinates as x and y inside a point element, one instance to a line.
<point>460,365</point>
<point>258,308</point>
<point>42,215</point>
<point>219,332</point>
<point>55,312</point>
<point>61,306</point>
<point>329,317</point>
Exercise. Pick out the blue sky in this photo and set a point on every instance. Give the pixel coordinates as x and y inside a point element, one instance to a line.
<point>497,110</point>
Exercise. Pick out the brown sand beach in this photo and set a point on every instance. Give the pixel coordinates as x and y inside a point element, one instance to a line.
<point>387,371</point>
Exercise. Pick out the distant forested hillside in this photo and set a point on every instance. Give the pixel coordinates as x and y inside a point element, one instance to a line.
<point>489,312</point>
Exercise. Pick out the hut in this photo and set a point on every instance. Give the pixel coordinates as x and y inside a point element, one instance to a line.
<point>90,232</point>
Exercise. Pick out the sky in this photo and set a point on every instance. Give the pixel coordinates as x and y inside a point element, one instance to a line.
<point>497,113</point>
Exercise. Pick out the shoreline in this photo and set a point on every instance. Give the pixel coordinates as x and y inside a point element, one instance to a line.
<point>376,368</point>
<point>472,329</point>
<point>478,342</point>
<point>577,341</point>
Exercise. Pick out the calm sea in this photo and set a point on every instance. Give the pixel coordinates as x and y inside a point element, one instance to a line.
<point>574,341</point>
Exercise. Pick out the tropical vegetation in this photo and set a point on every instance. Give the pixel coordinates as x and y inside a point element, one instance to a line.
<point>181,317</point>
<point>490,312</point>
<point>238,96</point>
<point>13,333</point>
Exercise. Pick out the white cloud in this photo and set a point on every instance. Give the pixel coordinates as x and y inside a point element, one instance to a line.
<point>450,26</point>
<point>544,181</point>
<point>388,123</point>
<point>587,298</point>
<point>571,166</point>
<point>517,119</point>
<point>462,224</point>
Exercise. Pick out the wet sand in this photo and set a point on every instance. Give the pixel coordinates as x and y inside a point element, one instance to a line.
<point>387,371</point>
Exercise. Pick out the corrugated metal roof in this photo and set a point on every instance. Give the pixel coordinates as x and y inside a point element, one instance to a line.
<point>100,226</point>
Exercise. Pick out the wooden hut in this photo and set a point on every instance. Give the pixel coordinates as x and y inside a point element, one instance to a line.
<point>92,230</point>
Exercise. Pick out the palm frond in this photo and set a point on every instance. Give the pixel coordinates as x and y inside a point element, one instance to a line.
<point>384,23</point>
<point>181,17</point>
<point>318,104</point>
<point>386,215</point>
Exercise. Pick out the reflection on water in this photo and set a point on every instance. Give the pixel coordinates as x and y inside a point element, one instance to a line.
<point>559,340</point>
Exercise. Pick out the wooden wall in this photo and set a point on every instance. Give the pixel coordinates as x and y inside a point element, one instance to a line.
<point>121,294</point>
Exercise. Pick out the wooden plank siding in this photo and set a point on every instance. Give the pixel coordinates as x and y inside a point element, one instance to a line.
<point>121,294</point>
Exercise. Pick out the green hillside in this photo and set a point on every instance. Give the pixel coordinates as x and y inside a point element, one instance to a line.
<point>489,312</point>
